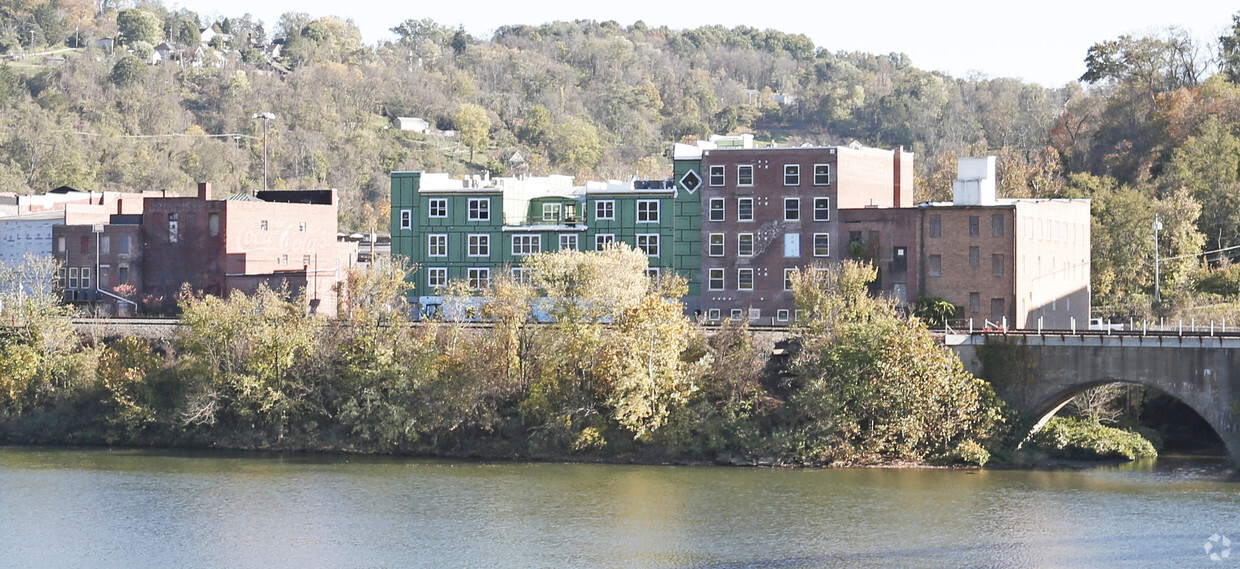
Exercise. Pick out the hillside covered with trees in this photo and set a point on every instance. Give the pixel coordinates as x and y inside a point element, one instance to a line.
<point>1151,129</point>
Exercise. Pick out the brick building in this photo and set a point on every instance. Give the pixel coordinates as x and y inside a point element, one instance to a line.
<point>238,243</point>
<point>889,238</point>
<point>770,211</point>
<point>1020,262</point>
<point>100,257</point>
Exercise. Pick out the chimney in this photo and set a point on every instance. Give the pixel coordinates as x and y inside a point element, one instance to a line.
<point>204,191</point>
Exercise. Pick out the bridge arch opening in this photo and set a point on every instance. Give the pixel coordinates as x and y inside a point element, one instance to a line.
<point>1182,427</point>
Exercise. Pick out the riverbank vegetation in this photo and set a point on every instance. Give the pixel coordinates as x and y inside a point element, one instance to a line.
<point>622,374</point>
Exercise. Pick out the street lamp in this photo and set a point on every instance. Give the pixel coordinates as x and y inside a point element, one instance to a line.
<point>266,117</point>
<point>1158,226</point>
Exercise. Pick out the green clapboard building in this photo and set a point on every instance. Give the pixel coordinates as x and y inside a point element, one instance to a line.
<point>470,229</point>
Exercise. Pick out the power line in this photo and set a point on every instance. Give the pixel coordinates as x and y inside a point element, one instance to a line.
<point>233,135</point>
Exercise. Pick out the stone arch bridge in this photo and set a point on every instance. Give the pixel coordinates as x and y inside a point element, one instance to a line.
<point>1038,373</point>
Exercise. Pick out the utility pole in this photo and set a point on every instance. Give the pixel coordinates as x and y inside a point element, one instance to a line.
<point>1158,226</point>
<point>266,118</point>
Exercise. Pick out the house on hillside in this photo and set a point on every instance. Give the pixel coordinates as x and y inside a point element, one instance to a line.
<point>415,124</point>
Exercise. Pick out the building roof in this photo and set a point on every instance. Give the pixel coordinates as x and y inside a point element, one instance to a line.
<point>242,198</point>
<point>44,216</point>
<point>316,197</point>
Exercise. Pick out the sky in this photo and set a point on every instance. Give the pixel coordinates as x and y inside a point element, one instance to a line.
<point>1043,42</point>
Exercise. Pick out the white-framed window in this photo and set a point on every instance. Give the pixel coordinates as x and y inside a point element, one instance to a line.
<point>789,274</point>
<point>437,277</point>
<point>568,241</point>
<point>714,245</point>
<point>522,275</point>
<point>822,244</point>
<point>822,209</point>
<point>792,175</point>
<point>822,174</point>
<point>73,277</point>
<point>797,314</point>
<point>60,244</point>
<point>479,245</point>
<point>648,243</point>
<point>935,265</point>
<point>480,209</point>
<point>755,313</point>
<point>125,243</point>
<point>744,279</point>
<point>438,207</point>
<point>301,226</point>
<point>652,273</point>
<point>714,279</point>
<point>647,211</point>
<point>174,227</point>
<point>437,245</point>
<point>716,209</point>
<point>602,240</point>
<point>283,260</point>
<point>792,209</point>
<point>744,209</point>
<point>479,277</point>
<point>263,225</point>
<point>712,314</point>
<point>744,175</point>
<point>781,315</point>
<point>737,314</point>
<point>717,177</point>
<point>605,209</point>
<point>526,244</point>
<point>85,277</point>
<point>305,260</point>
<point>744,244</point>
<point>552,212</point>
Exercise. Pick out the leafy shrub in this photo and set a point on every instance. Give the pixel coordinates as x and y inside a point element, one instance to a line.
<point>969,452</point>
<point>1086,439</point>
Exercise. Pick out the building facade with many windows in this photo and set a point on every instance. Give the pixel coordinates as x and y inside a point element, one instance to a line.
<point>767,212</point>
<point>737,222</point>
<point>1019,263</point>
<point>469,229</point>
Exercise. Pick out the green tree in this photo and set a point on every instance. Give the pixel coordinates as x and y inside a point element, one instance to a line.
<point>188,34</point>
<point>575,144</point>
<point>473,126</point>
<point>246,359</point>
<point>1208,166</point>
<point>41,359</point>
<point>872,386</point>
<point>1229,51</point>
<point>128,71</point>
<point>136,25</point>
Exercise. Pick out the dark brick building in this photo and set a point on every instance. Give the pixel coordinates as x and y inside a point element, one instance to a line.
<point>218,246</point>
<point>769,211</point>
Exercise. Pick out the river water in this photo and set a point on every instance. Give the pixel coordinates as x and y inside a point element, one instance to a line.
<point>66,508</point>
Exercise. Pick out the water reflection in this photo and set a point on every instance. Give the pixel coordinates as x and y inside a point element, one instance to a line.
<point>98,508</point>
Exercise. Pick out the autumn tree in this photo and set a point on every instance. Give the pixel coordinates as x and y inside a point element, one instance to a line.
<point>473,127</point>
<point>873,386</point>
